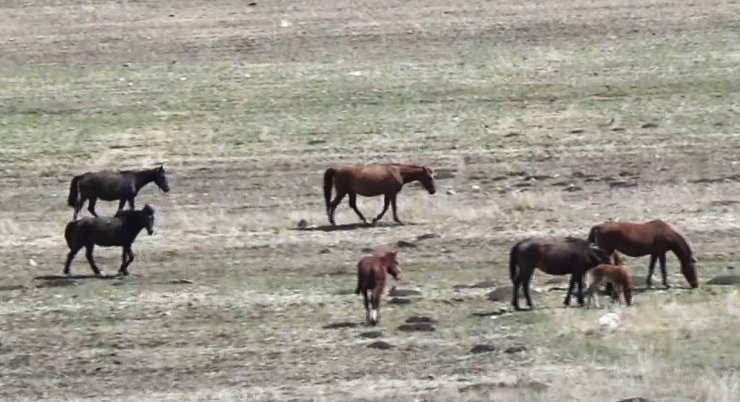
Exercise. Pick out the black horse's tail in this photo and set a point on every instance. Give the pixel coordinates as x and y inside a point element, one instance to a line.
<point>593,233</point>
<point>73,190</point>
<point>328,179</point>
<point>512,262</point>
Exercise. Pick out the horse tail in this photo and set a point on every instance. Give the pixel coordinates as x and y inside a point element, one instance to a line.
<point>73,191</point>
<point>513,262</point>
<point>328,179</point>
<point>593,233</point>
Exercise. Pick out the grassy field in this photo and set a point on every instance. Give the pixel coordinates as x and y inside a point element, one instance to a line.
<point>541,117</point>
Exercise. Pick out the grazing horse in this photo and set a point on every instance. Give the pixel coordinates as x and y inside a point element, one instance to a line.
<point>120,230</point>
<point>617,275</point>
<point>554,256</point>
<point>371,181</point>
<point>371,274</point>
<point>122,185</point>
<point>654,238</point>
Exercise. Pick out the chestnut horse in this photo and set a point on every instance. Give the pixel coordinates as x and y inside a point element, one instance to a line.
<point>617,275</point>
<point>370,181</point>
<point>122,185</point>
<point>554,256</point>
<point>654,238</point>
<point>371,275</point>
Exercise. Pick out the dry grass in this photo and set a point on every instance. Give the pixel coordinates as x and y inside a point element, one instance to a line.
<point>546,118</point>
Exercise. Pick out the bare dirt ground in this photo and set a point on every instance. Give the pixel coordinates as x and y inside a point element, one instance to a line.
<point>540,118</point>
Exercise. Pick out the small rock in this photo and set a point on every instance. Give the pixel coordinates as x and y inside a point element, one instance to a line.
<point>417,326</point>
<point>395,292</point>
<point>484,284</point>
<point>636,399</point>
<point>181,281</point>
<point>420,318</point>
<point>302,224</point>
<point>405,244</point>
<point>725,280</point>
<point>324,251</point>
<point>399,301</point>
<point>622,184</point>
<point>730,267</point>
<point>285,23</point>
<point>483,348</point>
<point>336,325</point>
<point>515,349</point>
<point>650,125</point>
<point>371,334</point>
<point>368,250</point>
<point>577,131</point>
<point>572,188</point>
<point>427,236</point>
<point>609,321</point>
<point>32,262</point>
<point>475,188</point>
<point>252,4</point>
<point>382,345</point>
<point>504,293</point>
<point>450,192</point>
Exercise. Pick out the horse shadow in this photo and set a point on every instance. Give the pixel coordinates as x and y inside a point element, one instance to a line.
<point>72,277</point>
<point>353,226</point>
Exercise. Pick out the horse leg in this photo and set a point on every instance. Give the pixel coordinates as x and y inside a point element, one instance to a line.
<point>353,204</point>
<point>333,206</point>
<point>121,204</point>
<point>375,302</point>
<point>89,255</point>
<point>661,259</point>
<point>131,203</point>
<point>78,207</point>
<point>91,206</point>
<point>70,257</point>
<point>386,203</point>
<point>395,209</point>
<point>515,282</point>
<point>526,281</point>
<point>366,303</point>
<point>571,285</point>
<point>651,268</point>
<point>126,259</point>
<point>590,292</point>
<point>580,289</point>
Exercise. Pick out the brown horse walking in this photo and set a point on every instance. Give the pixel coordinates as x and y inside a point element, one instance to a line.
<point>617,275</point>
<point>554,256</point>
<point>120,230</point>
<point>371,275</point>
<point>371,181</point>
<point>122,185</point>
<point>654,238</point>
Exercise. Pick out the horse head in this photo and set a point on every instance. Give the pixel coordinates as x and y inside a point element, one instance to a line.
<point>148,212</point>
<point>688,269</point>
<point>391,264</point>
<point>160,179</point>
<point>427,179</point>
<point>598,255</point>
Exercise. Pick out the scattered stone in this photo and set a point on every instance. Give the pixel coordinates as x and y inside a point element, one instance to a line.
<point>427,236</point>
<point>475,188</point>
<point>450,192</point>
<point>484,284</point>
<point>504,293</point>
<point>730,267</point>
<point>609,321</point>
<point>650,125</point>
<point>367,250</point>
<point>562,183</point>
<point>399,301</point>
<point>577,131</point>
<point>32,262</point>
<point>636,399</point>
<point>420,318</point>
<point>181,282</point>
<point>622,184</point>
<point>617,129</point>
<point>343,324</point>
<point>573,188</point>
<point>395,292</point>
<point>302,224</point>
<point>417,326</point>
<point>252,4</point>
<point>371,334</point>
<point>515,349</point>
<point>725,280</point>
<point>325,251</point>
<point>382,345</point>
<point>483,348</point>
<point>405,244</point>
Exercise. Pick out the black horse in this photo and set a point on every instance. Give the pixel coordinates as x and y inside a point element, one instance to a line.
<point>107,185</point>
<point>120,230</point>
<point>554,256</point>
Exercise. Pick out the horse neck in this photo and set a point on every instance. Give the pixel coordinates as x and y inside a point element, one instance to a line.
<point>142,178</point>
<point>681,249</point>
<point>410,173</point>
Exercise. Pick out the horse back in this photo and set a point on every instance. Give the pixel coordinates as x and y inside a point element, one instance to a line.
<point>107,185</point>
<point>369,273</point>
<point>369,180</point>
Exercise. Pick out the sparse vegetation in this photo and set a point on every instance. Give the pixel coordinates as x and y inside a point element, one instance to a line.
<point>561,114</point>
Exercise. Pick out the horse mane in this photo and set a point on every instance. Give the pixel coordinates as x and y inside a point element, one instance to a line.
<point>683,245</point>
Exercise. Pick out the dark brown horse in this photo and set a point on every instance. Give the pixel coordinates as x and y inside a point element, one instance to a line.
<point>554,256</point>
<point>371,181</point>
<point>120,230</point>
<point>122,185</point>
<point>654,238</point>
<point>371,275</point>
